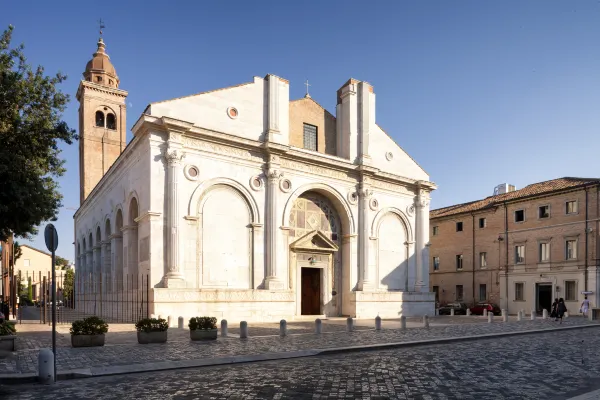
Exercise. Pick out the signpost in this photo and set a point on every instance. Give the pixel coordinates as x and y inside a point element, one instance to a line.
<point>51,237</point>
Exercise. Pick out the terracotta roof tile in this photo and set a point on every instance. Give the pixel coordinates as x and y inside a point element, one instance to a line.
<point>529,190</point>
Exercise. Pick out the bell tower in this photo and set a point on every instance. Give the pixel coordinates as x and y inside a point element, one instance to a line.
<point>102,120</point>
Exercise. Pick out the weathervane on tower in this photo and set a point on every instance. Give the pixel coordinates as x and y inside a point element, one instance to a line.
<point>102,26</point>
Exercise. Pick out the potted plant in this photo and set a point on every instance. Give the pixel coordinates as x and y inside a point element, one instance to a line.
<point>7,336</point>
<point>203,328</point>
<point>151,330</point>
<point>88,332</point>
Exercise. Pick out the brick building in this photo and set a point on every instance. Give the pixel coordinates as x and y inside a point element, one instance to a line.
<point>545,235</point>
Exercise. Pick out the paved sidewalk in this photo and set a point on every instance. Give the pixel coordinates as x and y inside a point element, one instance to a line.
<point>122,350</point>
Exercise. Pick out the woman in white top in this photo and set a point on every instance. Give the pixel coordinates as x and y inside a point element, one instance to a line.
<point>585,305</point>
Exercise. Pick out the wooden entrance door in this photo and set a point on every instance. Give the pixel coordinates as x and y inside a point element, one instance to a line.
<point>311,291</point>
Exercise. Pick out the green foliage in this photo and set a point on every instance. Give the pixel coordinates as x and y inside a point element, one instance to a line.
<point>151,325</point>
<point>18,251</point>
<point>31,128</point>
<point>29,291</point>
<point>68,284</point>
<point>60,262</point>
<point>6,328</point>
<point>202,323</point>
<point>89,326</point>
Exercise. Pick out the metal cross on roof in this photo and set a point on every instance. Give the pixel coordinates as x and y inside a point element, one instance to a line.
<point>101,25</point>
<point>307,85</point>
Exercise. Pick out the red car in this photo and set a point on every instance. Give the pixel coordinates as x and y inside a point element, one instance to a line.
<point>479,307</point>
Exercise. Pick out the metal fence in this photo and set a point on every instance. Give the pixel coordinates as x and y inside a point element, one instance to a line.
<point>123,300</point>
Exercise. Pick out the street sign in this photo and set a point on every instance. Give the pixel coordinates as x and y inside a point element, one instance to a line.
<point>51,237</point>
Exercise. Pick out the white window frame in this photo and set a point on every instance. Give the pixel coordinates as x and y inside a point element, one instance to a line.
<point>483,259</point>
<point>520,260</point>
<point>575,249</point>
<point>567,207</point>
<point>461,262</point>
<point>436,258</point>
<point>541,257</point>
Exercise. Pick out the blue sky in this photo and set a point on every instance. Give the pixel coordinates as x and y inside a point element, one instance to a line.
<point>478,92</point>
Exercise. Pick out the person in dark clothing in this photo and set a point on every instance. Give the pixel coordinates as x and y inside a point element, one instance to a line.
<point>553,310</point>
<point>561,309</point>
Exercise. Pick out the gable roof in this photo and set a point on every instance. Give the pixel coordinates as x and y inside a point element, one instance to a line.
<point>535,189</point>
<point>38,250</point>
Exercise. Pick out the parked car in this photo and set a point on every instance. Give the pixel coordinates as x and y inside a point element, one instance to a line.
<point>490,307</point>
<point>459,309</point>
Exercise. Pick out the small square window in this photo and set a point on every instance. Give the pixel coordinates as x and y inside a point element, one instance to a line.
<point>459,227</point>
<point>459,261</point>
<point>519,291</point>
<point>482,223</point>
<point>571,249</point>
<point>482,260</point>
<point>519,254</point>
<point>310,137</point>
<point>519,215</point>
<point>436,230</point>
<point>571,207</point>
<point>544,212</point>
<point>26,263</point>
<point>436,263</point>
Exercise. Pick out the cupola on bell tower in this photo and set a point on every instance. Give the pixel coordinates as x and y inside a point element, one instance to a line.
<point>102,120</point>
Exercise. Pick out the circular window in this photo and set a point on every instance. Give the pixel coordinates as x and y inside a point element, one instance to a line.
<point>232,112</point>
<point>352,197</point>
<point>374,204</point>
<point>256,183</point>
<point>191,172</point>
<point>285,185</point>
<point>389,156</point>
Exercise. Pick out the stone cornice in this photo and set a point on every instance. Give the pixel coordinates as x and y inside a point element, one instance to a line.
<point>100,88</point>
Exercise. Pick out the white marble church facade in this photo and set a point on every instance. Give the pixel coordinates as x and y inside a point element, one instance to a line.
<point>214,202</point>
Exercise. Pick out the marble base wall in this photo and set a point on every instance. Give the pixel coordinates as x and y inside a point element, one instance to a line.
<point>393,304</point>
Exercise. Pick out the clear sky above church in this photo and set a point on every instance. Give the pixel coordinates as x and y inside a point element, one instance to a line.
<point>478,92</point>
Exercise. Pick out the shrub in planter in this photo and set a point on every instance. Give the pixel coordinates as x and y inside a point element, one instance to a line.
<point>88,332</point>
<point>151,330</point>
<point>203,328</point>
<point>7,336</point>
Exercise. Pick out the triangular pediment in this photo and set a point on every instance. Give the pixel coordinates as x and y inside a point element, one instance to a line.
<point>314,240</point>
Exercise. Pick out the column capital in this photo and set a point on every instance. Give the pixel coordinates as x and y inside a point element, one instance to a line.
<point>174,156</point>
<point>273,174</point>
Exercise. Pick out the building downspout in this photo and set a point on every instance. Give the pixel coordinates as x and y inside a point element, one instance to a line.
<point>506,240</point>
<point>585,279</point>
<point>473,272</point>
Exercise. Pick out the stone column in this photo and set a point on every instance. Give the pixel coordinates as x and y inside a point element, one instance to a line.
<point>272,280</point>
<point>97,269</point>
<point>106,267</point>
<point>116,249</point>
<point>89,270</point>
<point>422,239</point>
<point>365,280</point>
<point>412,266</point>
<point>173,277</point>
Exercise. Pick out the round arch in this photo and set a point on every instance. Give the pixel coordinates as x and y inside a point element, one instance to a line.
<point>393,210</point>
<point>205,187</point>
<point>337,200</point>
<point>118,219</point>
<point>107,227</point>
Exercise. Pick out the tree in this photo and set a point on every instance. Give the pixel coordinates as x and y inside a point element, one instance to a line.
<point>31,128</point>
<point>18,251</point>
<point>68,284</point>
<point>60,263</point>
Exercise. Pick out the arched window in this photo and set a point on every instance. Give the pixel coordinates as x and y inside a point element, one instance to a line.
<point>100,119</point>
<point>111,121</point>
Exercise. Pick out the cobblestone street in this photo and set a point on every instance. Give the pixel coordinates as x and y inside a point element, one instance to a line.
<point>122,347</point>
<point>542,366</point>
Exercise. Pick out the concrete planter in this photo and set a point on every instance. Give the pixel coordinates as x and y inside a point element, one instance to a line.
<point>152,337</point>
<point>87,340</point>
<point>7,342</point>
<point>204,334</point>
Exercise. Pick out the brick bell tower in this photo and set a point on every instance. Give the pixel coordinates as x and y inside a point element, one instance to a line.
<point>102,117</point>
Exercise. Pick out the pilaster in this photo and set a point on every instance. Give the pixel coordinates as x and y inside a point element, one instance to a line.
<point>106,267</point>
<point>422,238</point>
<point>116,267</point>
<point>273,172</point>
<point>365,281</point>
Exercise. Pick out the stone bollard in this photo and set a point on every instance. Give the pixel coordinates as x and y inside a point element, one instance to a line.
<point>452,312</point>
<point>490,317</point>
<point>519,316</point>
<point>468,312</point>
<point>46,367</point>
<point>523,313</point>
<point>282,328</point>
<point>378,323</point>
<point>566,314</point>
<point>403,323</point>
<point>533,315</point>
<point>170,321</point>
<point>180,322</point>
<point>243,330</point>
<point>223,328</point>
<point>318,326</point>
<point>426,321</point>
<point>505,317</point>
<point>503,312</point>
<point>545,314</point>
<point>349,324</point>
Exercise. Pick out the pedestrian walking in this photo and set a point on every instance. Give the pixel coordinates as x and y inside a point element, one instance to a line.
<point>554,312</point>
<point>585,306</point>
<point>561,309</point>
